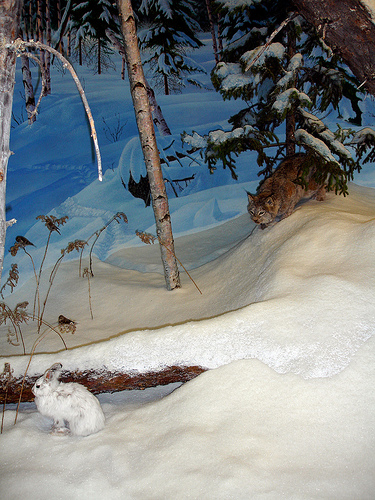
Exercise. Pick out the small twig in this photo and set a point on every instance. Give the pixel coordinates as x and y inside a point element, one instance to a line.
<point>271,37</point>
<point>116,217</point>
<point>361,85</point>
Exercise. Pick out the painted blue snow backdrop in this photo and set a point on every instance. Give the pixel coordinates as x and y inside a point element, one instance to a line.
<point>286,319</point>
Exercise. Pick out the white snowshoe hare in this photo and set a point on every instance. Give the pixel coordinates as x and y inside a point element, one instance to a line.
<point>71,406</point>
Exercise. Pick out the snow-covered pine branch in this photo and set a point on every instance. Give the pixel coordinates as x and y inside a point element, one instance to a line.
<point>275,63</point>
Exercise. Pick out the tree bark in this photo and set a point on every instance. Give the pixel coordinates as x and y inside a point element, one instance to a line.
<point>28,84</point>
<point>9,25</point>
<point>166,86</point>
<point>99,381</point>
<point>47,55</point>
<point>40,38</point>
<point>99,57</point>
<point>29,90</point>
<point>145,125</point>
<point>347,28</point>
<point>212,28</point>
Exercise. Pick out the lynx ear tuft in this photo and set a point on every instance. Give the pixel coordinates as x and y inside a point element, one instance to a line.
<point>269,201</point>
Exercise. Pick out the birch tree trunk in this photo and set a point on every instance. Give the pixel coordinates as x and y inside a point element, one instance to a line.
<point>29,90</point>
<point>27,82</point>
<point>9,22</point>
<point>148,141</point>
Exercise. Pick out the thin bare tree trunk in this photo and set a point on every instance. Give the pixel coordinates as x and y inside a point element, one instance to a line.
<point>29,90</point>
<point>99,57</point>
<point>69,49</point>
<point>80,52</point>
<point>148,141</point>
<point>219,36</point>
<point>31,33</point>
<point>212,27</point>
<point>9,24</point>
<point>61,42</point>
<point>159,119</point>
<point>166,86</point>
<point>47,56</point>
<point>28,84</point>
<point>40,34</point>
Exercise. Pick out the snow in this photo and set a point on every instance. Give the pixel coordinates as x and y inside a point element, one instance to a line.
<point>284,100</point>
<point>285,321</point>
<point>304,137</point>
<point>258,56</point>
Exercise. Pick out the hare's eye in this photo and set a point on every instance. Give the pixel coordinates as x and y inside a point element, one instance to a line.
<point>37,386</point>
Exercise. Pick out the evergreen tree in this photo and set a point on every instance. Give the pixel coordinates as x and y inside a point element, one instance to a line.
<point>170,30</point>
<point>89,21</point>
<point>287,77</point>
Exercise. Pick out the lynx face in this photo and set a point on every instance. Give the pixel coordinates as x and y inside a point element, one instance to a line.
<point>262,210</point>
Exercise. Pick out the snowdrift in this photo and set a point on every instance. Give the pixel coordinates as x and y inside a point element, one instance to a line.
<point>298,296</point>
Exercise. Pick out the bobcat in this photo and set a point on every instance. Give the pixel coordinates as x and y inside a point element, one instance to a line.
<point>278,194</point>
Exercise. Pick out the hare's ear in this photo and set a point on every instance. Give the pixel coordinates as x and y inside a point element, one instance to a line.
<point>53,371</point>
<point>56,367</point>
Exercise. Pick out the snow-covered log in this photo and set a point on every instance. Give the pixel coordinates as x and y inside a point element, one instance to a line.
<point>348,28</point>
<point>98,381</point>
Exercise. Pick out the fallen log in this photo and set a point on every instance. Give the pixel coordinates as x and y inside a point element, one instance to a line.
<point>98,381</point>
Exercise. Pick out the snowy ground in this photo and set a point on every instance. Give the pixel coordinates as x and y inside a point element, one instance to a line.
<point>285,321</point>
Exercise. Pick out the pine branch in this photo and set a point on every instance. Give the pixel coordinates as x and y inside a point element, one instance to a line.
<point>272,36</point>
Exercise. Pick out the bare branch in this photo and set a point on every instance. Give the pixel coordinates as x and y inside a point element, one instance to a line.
<point>20,46</point>
<point>272,36</point>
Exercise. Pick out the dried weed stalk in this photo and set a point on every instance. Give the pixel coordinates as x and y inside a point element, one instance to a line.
<point>36,343</point>
<point>12,280</point>
<point>15,317</point>
<point>117,217</point>
<point>73,245</point>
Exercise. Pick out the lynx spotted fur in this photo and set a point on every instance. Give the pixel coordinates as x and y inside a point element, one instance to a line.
<point>279,193</point>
